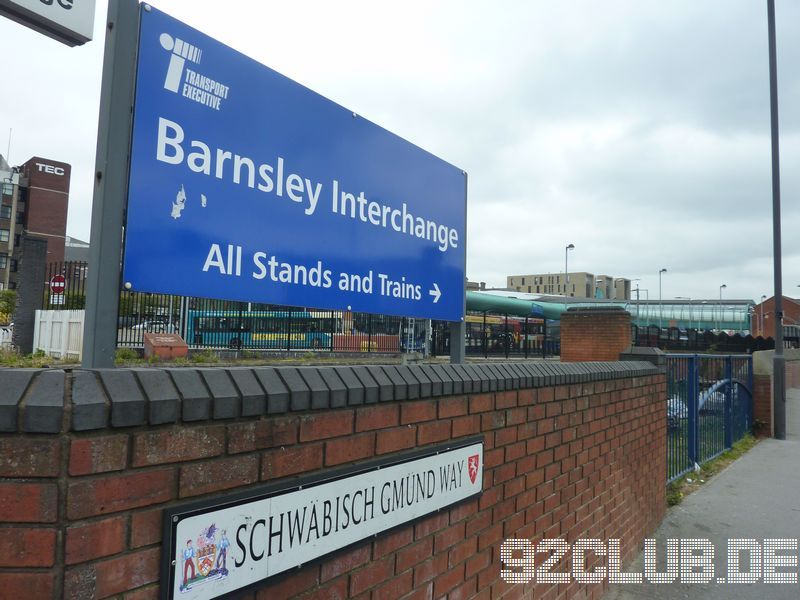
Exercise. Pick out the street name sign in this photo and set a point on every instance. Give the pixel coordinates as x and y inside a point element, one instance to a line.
<point>224,544</point>
<point>68,21</point>
<point>245,185</point>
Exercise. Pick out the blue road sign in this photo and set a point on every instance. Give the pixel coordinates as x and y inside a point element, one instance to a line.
<point>245,185</point>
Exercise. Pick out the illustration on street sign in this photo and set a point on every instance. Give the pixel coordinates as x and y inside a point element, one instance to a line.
<point>245,185</point>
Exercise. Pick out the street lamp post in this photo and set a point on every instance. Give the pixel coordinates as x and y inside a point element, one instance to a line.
<point>566,266</point>
<point>637,297</point>
<point>660,304</point>
<point>719,317</point>
<point>761,328</point>
<point>690,308</point>
<point>778,358</point>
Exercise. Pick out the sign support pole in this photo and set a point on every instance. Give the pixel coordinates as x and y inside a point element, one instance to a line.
<point>111,184</point>
<point>458,329</point>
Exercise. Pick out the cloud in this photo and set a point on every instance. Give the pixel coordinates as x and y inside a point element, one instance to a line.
<point>639,131</point>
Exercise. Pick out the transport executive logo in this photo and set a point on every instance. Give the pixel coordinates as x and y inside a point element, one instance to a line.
<point>197,87</point>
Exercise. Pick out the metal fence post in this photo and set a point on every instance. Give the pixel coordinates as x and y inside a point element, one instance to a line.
<point>728,418</point>
<point>332,322</point>
<point>694,409</point>
<point>485,344</point>
<point>750,383</point>
<point>506,337</point>
<point>525,338</point>
<point>289,331</point>
<point>544,338</point>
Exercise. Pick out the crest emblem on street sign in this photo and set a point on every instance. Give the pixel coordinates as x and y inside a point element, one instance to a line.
<point>473,464</point>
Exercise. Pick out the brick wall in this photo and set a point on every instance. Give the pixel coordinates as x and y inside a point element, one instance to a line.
<point>762,384</point>
<point>30,291</point>
<point>570,451</point>
<point>591,334</point>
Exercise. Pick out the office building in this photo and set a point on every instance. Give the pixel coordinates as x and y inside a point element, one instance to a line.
<point>580,285</point>
<point>34,203</point>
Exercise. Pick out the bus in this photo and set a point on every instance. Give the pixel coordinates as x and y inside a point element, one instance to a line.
<point>273,330</point>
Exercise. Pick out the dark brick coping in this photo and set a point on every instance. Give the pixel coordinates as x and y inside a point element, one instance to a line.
<point>52,401</point>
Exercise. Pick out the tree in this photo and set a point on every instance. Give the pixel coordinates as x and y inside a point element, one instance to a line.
<point>8,301</point>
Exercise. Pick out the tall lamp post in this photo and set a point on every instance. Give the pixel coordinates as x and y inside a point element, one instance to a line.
<point>761,328</point>
<point>719,317</point>
<point>660,304</point>
<point>637,296</point>
<point>566,266</point>
<point>690,308</point>
<point>778,358</point>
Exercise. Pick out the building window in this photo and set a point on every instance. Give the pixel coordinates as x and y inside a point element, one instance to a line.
<point>5,212</point>
<point>13,265</point>
<point>523,281</point>
<point>8,188</point>
<point>4,235</point>
<point>20,216</point>
<point>12,285</point>
<point>3,261</point>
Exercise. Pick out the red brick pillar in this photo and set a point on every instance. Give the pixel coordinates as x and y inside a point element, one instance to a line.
<point>593,334</point>
<point>764,420</point>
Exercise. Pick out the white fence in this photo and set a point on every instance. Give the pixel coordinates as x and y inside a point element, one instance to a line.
<point>6,332</point>
<point>59,333</point>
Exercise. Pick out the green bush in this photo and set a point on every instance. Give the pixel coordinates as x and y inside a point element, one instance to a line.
<point>126,355</point>
<point>8,300</point>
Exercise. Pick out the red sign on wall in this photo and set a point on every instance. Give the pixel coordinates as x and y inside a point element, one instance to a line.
<point>57,284</point>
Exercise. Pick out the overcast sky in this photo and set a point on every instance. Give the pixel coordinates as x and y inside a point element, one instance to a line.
<point>636,130</point>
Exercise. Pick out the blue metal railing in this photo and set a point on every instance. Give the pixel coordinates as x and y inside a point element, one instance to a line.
<point>709,407</point>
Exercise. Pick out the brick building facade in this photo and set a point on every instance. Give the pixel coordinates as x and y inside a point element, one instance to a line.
<point>763,318</point>
<point>34,201</point>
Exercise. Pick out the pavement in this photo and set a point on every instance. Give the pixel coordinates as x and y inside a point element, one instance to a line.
<point>756,497</point>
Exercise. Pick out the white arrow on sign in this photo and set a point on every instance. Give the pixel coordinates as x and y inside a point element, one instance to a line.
<point>435,293</point>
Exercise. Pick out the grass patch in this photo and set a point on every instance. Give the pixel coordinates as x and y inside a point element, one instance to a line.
<point>37,360</point>
<point>126,355</point>
<point>203,357</point>
<point>680,488</point>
